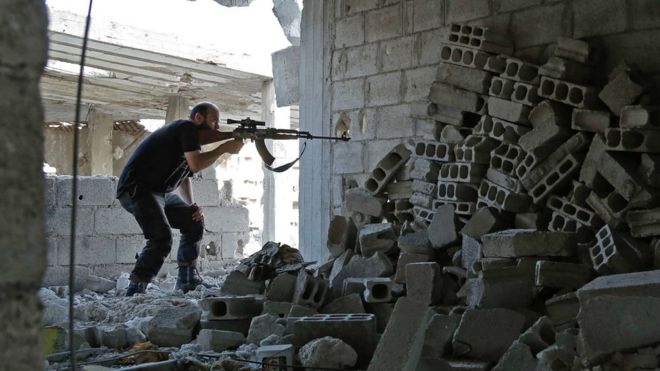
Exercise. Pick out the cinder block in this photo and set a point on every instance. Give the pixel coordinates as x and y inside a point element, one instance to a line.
<point>341,235</point>
<point>465,78</point>
<point>500,130</point>
<point>445,114</point>
<point>576,50</point>
<point>485,220</point>
<point>540,335</point>
<point>424,187</point>
<point>384,89</point>
<point>632,140</point>
<point>423,215</point>
<point>415,242</point>
<point>435,151</point>
<point>344,155</point>
<point>650,169</point>
<point>498,284</point>
<point>424,283</point>
<point>640,117</point>
<point>556,177</point>
<point>501,87</point>
<point>279,354</point>
<point>521,242</point>
<point>589,120</point>
<point>456,192</point>
<point>462,56</point>
<point>453,134</point>
<point>360,200</point>
<point>377,265</point>
<point>589,169</point>
<point>644,223</point>
<point>376,238</point>
<point>459,11</point>
<point>491,194</point>
<point>579,96</point>
<point>403,211</point>
<point>463,208</point>
<point>447,95</point>
<point>425,170</point>
<point>231,307</point>
<point>562,275</point>
<point>90,250</point>
<point>377,290</point>
<point>521,71</point>
<point>594,18</point>
<point>462,172</point>
<point>404,260</point>
<point>58,221</point>
<point>399,190</point>
<point>277,308</point>
<point>417,83</point>
<point>92,190</point>
<point>355,62</point>
<point>574,212</point>
<point>442,231</point>
<point>475,149</point>
<point>401,344</point>
<point>611,209</point>
<point>617,252</point>
<point>309,291</point>
<point>345,304</point>
<point>226,219</point>
<point>550,113</point>
<point>530,172</point>
<point>349,31</point>
<point>525,93</point>
<point>480,38</point>
<point>563,309</point>
<point>206,192</point>
<point>543,136</point>
<point>495,64</point>
<point>506,157</point>
<point>348,94</point>
<point>566,69</point>
<point>486,334</point>
<point>237,283</point>
<point>281,288</point>
<point>384,23</point>
<point>508,110</point>
<point>439,333</point>
<point>357,330</point>
<point>386,169</point>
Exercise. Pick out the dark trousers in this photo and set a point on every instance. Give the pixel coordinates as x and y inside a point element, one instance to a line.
<point>157,214</point>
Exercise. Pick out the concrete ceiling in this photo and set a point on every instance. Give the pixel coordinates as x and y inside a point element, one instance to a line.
<point>132,83</point>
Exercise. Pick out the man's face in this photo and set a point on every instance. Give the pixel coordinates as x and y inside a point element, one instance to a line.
<point>211,120</point>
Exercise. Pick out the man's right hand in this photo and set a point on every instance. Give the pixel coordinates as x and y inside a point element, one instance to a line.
<point>233,146</point>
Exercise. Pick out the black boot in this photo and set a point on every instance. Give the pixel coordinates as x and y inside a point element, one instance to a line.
<point>137,285</point>
<point>188,278</point>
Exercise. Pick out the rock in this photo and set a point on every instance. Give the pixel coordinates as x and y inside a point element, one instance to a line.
<point>262,326</point>
<point>173,326</point>
<point>327,352</point>
<point>55,308</point>
<point>99,284</point>
<point>219,341</point>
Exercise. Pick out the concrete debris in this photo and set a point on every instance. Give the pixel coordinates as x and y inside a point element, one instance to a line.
<point>262,326</point>
<point>173,326</point>
<point>327,352</point>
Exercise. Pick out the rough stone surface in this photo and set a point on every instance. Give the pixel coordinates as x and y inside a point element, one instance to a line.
<point>263,326</point>
<point>327,352</point>
<point>219,341</point>
<point>173,326</point>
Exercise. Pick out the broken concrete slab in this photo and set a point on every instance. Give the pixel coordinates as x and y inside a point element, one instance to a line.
<point>524,242</point>
<point>486,334</point>
<point>400,346</point>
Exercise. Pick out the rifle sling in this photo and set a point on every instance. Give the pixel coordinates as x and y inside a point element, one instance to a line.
<point>268,159</point>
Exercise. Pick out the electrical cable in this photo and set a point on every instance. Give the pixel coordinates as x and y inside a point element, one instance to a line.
<point>74,191</point>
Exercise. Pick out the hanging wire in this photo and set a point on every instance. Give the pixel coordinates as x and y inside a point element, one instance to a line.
<point>74,191</point>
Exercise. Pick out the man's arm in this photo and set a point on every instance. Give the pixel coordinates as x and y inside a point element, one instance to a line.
<point>186,191</point>
<point>198,160</point>
<point>212,136</point>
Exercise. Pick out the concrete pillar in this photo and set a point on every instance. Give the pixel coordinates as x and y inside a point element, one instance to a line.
<point>315,166</point>
<point>22,240</point>
<point>268,201</point>
<point>177,108</point>
<point>99,142</point>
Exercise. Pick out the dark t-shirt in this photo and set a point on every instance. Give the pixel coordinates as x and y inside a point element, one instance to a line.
<point>158,164</point>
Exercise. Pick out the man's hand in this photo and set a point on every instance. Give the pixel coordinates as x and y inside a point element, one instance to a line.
<point>233,146</point>
<point>197,215</point>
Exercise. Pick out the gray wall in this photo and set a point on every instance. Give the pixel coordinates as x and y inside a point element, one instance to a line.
<point>23,42</point>
<point>108,237</point>
<point>382,56</point>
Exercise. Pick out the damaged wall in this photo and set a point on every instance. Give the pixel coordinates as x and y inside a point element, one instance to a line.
<point>22,23</point>
<point>385,54</point>
<point>108,237</point>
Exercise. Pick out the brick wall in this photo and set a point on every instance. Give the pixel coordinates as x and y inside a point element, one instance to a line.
<point>385,54</point>
<point>108,237</point>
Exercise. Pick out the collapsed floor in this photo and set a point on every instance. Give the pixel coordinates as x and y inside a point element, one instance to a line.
<point>521,237</point>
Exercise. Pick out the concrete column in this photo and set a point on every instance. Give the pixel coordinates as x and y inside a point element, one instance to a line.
<point>99,142</point>
<point>315,166</point>
<point>22,240</point>
<point>268,201</point>
<point>177,108</point>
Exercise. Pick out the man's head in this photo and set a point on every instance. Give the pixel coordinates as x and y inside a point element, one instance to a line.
<point>205,114</point>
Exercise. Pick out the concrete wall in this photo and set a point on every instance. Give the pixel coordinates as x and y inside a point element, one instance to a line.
<point>23,41</point>
<point>384,54</point>
<point>108,237</point>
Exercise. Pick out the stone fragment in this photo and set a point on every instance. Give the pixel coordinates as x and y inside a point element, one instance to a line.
<point>378,265</point>
<point>173,326</point>
<point>281,287</point>
<point>219,341</point>
<point>237,283</point>
<point>470,254</point>
<point>487,334</point>
<point>562,275</point>
<point>517,357</point>
<point>621,91</point>
<point>376,238</point>
<point>415,243</point>
<point>500,287</point>
<point>566,69</point>
<point>341,235</point>
<point>520,242</point>
<point>439,334</point>
<point>442,231</point>
<point>400,346</point>
<point>327,352</point>
<point>345,304</point>
<point>263,326</point>
<point>404,260</point>
<point>99,284</point>
<point>360,200</point>
<point>424,283</point>
<point>447,95</point>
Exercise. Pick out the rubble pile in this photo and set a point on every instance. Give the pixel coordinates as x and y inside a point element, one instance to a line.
<point>522,236</point>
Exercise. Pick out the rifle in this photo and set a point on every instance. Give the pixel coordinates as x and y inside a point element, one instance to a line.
<point>248,129</point>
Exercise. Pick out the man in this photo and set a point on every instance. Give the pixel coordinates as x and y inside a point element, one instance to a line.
<point>163,162</point>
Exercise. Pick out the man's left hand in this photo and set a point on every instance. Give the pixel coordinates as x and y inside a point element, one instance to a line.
<point>197,215</point>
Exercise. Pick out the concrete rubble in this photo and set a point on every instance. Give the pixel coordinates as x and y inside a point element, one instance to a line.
<point>524,243</point>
